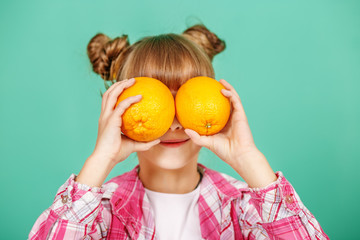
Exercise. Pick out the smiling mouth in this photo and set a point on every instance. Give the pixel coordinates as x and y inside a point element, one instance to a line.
<point>175,141</point>
<point>174,144</point>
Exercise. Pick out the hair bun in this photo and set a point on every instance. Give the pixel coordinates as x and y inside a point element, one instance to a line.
<point>103,53</point>
<point>209,41</point>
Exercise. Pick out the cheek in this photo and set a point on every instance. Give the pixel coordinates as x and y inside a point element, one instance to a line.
<point>193,148</point>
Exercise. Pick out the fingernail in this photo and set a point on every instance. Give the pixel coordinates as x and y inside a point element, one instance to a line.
<point>224,91</point>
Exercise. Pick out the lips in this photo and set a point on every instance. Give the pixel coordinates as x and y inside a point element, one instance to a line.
<point>175,140</point>
<point>174,143</point>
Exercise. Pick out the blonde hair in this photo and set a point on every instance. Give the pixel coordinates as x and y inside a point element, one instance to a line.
<point>170,58</point>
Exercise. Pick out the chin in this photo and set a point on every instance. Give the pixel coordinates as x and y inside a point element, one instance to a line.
<point>165,159</point>
<point>171,165</point>
<point>170,161</point>
<point>170,158</point>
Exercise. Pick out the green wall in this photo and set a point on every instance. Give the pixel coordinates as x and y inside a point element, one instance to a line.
<point>295,65</point>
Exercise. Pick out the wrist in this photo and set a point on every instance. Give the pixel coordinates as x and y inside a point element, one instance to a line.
<point>95,156</point>
<point>254,168</point>
<point>95,171</point>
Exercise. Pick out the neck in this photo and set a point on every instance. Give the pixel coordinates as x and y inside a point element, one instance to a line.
<point>179,181</point>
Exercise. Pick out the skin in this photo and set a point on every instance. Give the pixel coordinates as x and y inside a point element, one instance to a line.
<point>235,144</point>
<point>170,170</point>
<point>174,170</point>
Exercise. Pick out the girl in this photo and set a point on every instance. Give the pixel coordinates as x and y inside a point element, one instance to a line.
<point>168,195</point>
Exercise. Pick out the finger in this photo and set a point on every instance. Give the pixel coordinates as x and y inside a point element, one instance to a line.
<point>228,86</point>
<point>125,104</point>
<point>235,102</point>
<point>203,141</point>
<point>142,146</point>
<point>110,90</point>
<point>114,95</point>
<point>116,92</point>
<point>106,94</point>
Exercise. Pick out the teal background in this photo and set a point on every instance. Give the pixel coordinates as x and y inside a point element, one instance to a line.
<point>295,65</point>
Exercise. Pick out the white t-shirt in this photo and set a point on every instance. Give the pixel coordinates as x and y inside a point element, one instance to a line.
<point>176,215</point>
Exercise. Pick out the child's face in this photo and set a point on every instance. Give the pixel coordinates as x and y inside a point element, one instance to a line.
<point>172,157</point>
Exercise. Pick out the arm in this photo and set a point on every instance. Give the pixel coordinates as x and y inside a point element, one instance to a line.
<point>274,210</point>
<point>266,210</point>
<point>77,210</point>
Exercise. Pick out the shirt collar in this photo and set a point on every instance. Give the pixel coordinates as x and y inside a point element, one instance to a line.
<point>127,200</point>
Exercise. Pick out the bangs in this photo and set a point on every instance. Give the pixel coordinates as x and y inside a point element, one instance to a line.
<point>170,58</point>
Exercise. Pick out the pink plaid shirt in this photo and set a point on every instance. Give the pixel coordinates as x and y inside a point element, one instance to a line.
<point>228,209</point>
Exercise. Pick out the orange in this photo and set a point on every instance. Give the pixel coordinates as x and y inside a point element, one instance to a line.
<point>200,105</point>
<point>152,116</point>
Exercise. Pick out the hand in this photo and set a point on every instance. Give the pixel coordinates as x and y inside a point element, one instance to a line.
<point>235,139</point>
<point>234,144</point>
<point>111,143</point>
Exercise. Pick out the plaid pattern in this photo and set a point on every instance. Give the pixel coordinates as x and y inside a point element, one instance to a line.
<point>228,210</point>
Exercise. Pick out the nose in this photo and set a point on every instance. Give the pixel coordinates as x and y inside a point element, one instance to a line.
<point>175,125</point>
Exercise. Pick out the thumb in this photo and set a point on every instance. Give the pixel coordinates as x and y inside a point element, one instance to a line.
<point>203,141</point>
<point>141,146</point>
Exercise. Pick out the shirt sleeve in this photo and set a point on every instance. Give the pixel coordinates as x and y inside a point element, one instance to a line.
<point>276,212</point>
<point>76,213</point>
